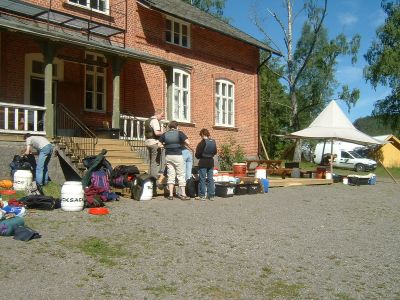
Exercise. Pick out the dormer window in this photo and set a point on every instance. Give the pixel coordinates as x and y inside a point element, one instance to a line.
<point>177,32</point>
<point>96,5</point>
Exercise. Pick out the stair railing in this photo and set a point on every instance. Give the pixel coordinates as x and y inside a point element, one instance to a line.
<point>74,133</point>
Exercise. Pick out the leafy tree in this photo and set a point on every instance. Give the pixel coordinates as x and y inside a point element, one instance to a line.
<point>274,109</point>
<point>309,65</point>
<point>373,125</point>
<point>214,7</point>
<point>383,58</point>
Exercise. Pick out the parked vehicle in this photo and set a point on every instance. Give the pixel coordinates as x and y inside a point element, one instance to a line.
<point>344,156</point>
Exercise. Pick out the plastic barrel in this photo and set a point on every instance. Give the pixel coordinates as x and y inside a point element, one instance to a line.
<point>239,169</point>
<point>261,173</point>
<point>147,193</point>
<point>72,196</point>
<point>22,179</point>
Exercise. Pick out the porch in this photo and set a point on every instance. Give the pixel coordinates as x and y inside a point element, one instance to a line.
<point>74,138</point>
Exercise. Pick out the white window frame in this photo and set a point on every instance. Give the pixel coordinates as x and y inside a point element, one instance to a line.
<point>224,103</point>
<point>96,75</point>
<point>175,23</point>
<point>180,109</point>
<point>88,6</point>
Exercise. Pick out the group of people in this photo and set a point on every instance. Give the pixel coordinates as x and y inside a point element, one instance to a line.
<point>178,157</point>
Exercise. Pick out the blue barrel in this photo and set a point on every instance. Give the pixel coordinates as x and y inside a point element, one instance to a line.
<point>265,183</point>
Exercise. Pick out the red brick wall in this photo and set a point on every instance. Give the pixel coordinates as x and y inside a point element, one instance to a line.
<point>143,86</point>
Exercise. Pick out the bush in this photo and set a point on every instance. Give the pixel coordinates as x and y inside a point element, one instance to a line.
<point>230,153</point>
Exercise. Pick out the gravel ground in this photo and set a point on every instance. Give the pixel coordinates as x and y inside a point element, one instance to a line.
<point>313,242</point>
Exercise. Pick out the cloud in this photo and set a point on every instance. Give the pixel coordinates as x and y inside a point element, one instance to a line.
<point>377,19</point>
<point>349,74</point>
<point>348,19</point>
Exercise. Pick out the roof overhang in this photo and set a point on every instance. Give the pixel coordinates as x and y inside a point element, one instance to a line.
<point>38,30</point>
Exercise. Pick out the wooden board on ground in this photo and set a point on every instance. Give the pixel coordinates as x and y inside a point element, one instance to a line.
<point>125,192</point>
<point>275,182</point>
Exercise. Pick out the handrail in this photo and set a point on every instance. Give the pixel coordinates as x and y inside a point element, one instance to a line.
<point>82,139</point>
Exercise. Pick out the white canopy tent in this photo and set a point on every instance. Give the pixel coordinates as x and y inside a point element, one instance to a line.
<point>333,124</point>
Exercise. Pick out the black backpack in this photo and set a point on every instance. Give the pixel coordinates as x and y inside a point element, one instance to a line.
<point>41,202</point>
<point>210,148</point>
<point>192,186</point>
<point>25,162</point>
<point>122,176</point>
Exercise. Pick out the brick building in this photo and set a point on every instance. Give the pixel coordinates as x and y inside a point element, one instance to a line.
<point>100,60</point>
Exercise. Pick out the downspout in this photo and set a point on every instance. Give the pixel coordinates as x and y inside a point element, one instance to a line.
<point>258,98</point>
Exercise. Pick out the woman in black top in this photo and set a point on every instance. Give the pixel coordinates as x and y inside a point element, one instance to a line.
<point>205,152</point>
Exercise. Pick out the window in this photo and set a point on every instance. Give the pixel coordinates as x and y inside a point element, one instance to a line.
<point>97,5</point>
<point>95,95</point>
<point>177,33</point>
<point>180,102</point>
<point>224,103</point>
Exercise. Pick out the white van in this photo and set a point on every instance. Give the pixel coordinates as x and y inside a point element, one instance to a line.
<point>345,156</point>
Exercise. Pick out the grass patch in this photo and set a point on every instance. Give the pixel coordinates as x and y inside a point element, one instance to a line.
<point>162,290</point>
<point>266,272</point>
<point>282,289</point>
<point>216,292</point>
<point>343,296</point>
<point>98,249</point>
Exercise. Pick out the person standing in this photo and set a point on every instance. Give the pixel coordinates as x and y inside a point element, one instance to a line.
<point>45,150</point>
<point>188,161</point>
<point>205,152</point>
<point>172,141</point>
<point>153,131</point>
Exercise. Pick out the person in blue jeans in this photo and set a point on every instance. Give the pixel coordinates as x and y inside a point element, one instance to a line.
<point>205,153</point>
<point>45,149</point>
<point>188,161</point>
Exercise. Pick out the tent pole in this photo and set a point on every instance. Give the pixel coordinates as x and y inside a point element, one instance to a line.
<point>265,150</point>
<point>388,172</point>
<point>331,157</point>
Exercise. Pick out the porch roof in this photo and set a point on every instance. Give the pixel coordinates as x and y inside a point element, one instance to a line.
<point>61,35</point>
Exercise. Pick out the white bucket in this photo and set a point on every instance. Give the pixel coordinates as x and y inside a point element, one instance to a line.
<point>345,180</point>
<point>328,175</point>
<point>72,196</point>
<point>261,173</point>
<point>147,193</point>
<point>22,179</point>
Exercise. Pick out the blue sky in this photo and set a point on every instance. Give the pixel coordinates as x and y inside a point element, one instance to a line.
<point>344,16</point>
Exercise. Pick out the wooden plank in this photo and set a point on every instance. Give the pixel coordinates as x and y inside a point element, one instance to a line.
<point>278,182</point>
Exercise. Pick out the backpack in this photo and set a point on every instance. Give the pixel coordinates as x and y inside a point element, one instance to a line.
<point>105,164</point>
<point>100,185</point>
<point>191,187</point>
<point>122,176</point>
<point>210,148</point>
<point>41,202</point>
<point>26,162</point>
<point>148,130</point>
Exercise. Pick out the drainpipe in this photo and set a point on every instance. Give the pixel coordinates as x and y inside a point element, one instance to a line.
<point>259,96</point>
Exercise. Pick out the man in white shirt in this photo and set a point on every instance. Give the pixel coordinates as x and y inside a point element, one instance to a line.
<point>153,130</point>
<point>45,149</point>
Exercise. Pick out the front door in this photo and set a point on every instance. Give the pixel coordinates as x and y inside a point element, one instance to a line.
<point>37,97</point>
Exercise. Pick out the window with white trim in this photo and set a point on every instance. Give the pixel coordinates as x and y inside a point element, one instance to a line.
<point>177,32</point>
<point>96,5</point>
<point>224,103</point>
<point>180,96</point>
<point>95,91</point>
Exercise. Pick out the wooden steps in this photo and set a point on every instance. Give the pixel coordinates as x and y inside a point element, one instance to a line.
<point>119,153</point>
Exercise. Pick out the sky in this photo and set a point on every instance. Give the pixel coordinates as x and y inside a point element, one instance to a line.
<point>344,16</point>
